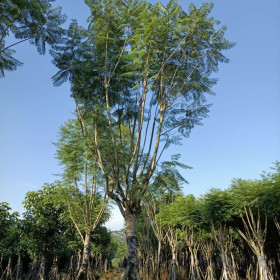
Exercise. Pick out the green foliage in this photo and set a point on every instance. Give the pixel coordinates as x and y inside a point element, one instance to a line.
<point>217,207</point>
<point>263,194</point>
<point>46,229</point>
<point>71,150</point>
<point>184,211</point>
<point>168,177</point>
<point>82,177</point>
<point>120,248</point>
<point>76,208</point>
<point>224,207</point>
<point>139,74</point>
<point>9,231</point>
<point>32,20</point>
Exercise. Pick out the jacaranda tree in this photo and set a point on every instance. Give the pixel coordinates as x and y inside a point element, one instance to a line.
<point>139,75</point>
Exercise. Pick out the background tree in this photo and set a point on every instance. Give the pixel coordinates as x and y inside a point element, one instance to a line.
<point>9,239</point>
<point>142,70</point>
<point>82,176</point>
<point>47,231</point>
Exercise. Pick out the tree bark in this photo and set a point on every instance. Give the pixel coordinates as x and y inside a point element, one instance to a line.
<point>35,269</point>
<point>158,260</point>
<point>83,271</point>
<point>174,271</point>
<point>54,270</point>
<point>263,268</point>
<point>132,268</point>
<point>18,268</point>
<point>225,267</point>
<point>106,265</point>
<point>42,272</point>
<point>9,269</point>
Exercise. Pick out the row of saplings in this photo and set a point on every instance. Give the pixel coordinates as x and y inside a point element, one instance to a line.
<point>231,234</point>
<point>25,268</point>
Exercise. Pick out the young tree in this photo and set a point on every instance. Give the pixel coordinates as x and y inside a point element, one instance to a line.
<point>140,72</point>
<point>82,176</point>
<point>27,20</point>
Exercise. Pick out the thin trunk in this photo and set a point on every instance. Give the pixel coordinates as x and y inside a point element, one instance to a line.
<point>194,269</point>
<point>8,270</point>
<point>174,271</point>
<point>106,262</point>
<point>158,260</point>
<point>35,269</point>
<point>225,268</point>
<point>207,249</point>
<point>132,269</point>
<point>54,270</point>
<point>83,271</point>
<point>18,268</point>
<point>42,271</point>
<point>79,262</point>
<point>72,269</point>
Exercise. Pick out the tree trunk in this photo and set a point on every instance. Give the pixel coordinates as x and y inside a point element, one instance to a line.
<point>42,272</point>
<point>106,265</point>
<point>35,269</point>
<point>79,258</point>
<point>9,270</point>
<point>54,270</point>
<point>174,271</point>
<point>83,271</point>
<point>194,273</point>
<point>18,268</point>
<point>263,269</point>
<point>225,267</point>
<point>132,269</point>
<point>158,260</point>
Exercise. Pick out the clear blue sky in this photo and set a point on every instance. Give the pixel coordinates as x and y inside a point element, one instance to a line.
<point>240,139</point>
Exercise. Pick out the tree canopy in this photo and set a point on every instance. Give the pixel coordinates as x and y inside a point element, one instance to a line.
<point>139,74</point>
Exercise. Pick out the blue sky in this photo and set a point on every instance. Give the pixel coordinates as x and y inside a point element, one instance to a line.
<point>241,138</point>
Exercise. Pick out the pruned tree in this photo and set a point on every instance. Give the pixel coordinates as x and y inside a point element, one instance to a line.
<point>223,241</point>
<point>151,210</point>
<point>172,237</point>
<point>255,235</point>
<point>193,247</point>
<point>207,249</point>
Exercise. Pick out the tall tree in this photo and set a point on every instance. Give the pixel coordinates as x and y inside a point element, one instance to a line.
<point>27,20</point>
<point>140,71</point>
